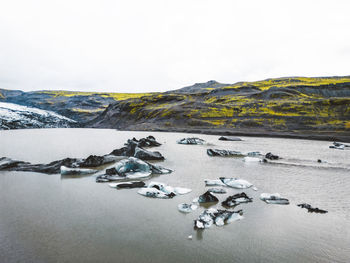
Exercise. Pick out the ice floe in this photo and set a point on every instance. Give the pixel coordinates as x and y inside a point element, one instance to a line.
<point>186,208</point>
<point>274,199</point>
<point>162,190</point>
<point>191,141</point>
<point>218,217</point>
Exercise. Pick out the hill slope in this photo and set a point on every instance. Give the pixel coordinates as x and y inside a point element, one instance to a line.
<point>79,106</point>
<point>295,106</point>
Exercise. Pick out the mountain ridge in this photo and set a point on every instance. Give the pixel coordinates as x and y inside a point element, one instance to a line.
<point>288,105</point>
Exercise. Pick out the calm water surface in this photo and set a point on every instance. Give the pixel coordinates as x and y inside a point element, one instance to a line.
<point>49,218</point>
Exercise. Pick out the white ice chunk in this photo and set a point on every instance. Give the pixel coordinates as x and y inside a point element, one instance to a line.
<point>187,208</point>
<point>75,171</point>
<point>274,199</point>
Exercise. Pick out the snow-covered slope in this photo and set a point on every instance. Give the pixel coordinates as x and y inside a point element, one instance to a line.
<point>14,116</point>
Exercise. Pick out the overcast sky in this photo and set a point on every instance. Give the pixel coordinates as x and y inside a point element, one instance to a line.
<point>158,45</point>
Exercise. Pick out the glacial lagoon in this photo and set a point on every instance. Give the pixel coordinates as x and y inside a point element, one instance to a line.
<point>54,218</point>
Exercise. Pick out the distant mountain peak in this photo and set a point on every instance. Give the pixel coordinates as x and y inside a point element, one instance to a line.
<point>199,87</point>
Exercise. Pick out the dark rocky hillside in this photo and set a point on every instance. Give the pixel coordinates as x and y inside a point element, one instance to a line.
<point>79,106</point>
<point>296,107</point>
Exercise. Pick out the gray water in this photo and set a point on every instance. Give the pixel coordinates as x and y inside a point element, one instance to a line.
<point>49,218</point>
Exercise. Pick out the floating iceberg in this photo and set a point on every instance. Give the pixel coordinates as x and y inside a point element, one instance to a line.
<point>132,149</point>
<point>236,183</point>
<point>311,209</point>
<point>55,166</point>
<point>191,141</point>
<point>224,153</point>
<point>271,156</point>
<point>155,193</point>
<point>207,197</point>
<point>214,182</point>
<point>131,168</point>
<point>339,146</point>
<point>149,141</point>
<point>230,182</point>
<point>210,216</point>
<point>187,208</point>
<point>161,190</point>
<point>237,199</point>
<point>274,199</point>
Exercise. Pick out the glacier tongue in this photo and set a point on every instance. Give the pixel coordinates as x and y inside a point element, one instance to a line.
<point>14,116</point>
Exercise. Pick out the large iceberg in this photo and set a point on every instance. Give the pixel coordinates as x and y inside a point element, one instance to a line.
<point>63,166</point>
<point>131,168</point>
<point>132,149</point>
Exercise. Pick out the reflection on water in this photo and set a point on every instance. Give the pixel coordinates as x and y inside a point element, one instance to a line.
<point>46,219</point>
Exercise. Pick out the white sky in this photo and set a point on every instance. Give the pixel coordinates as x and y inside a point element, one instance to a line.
<point>158,45</point>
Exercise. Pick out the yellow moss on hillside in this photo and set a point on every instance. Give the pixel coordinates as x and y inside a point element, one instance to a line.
<point>115,96</point>
<point>213,112</point>
<point>215,122</point>
<point>289,82</point>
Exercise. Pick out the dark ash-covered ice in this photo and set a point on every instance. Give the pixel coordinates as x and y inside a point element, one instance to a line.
<point>68,165</point>
<point>237,199</point>
<point>149,141</point>
<point>229,138</point>
<point>132,184</point>
<point>55,167</point>
<point>132,149</point>
<point>224,153</point>
<point>271,156</point>
<point>311,209</point>
<point>207,197</point>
